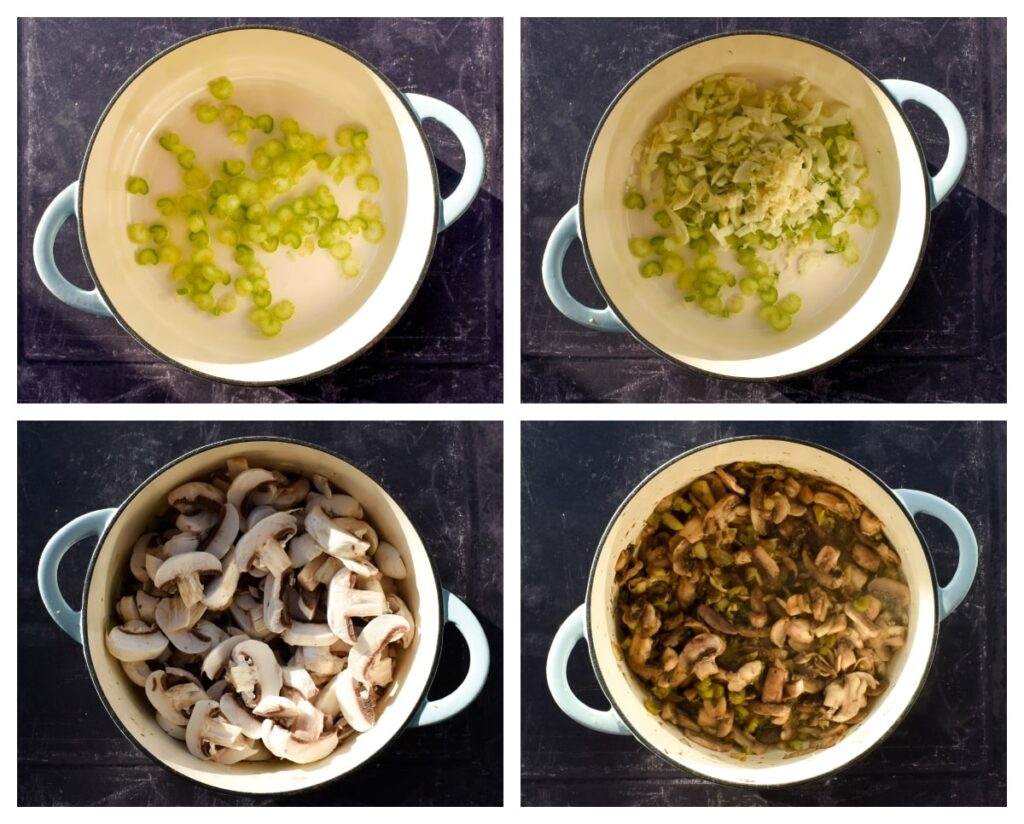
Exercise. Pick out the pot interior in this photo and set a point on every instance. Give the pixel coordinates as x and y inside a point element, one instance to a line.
<point>413,668</point>
<point>284,74</point>
<point>625,690</point>
<point>842,304</point>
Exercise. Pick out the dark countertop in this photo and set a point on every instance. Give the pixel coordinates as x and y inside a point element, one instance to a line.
<point>447,477</point>
<point>948,340</point>
<point>951,747</point>
<point>448,345</point>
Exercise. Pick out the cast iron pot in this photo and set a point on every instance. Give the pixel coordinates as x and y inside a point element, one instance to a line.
<point>404,705</point>
<point>843,306</point>
<point>597,619</point>
<point>336,318</point>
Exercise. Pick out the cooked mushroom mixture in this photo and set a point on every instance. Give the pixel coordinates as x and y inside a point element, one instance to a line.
<point>761,607</point>
<point>263,616</point>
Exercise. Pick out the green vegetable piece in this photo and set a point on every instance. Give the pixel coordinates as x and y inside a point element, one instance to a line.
<point>147,257</point>
<point>640,247</point>
<point>791,304</point>
<point>671,521</point>
<point>169,141</point>
<point>705,261</point>
<point>265,123</point>
<point>350,268</point>
<point>196,178</point>
<point>374,232</point>
<point>187,159</point>
<point>233,168</point>
<point>672,264</point>
<point>734,305</point>
<point>634,200</point>
<point>367,183</point>
<point>243,254</point>
<point>205,113</point>
<point>166,206</point>
<point>650,269</point>
<point>698,550</point>
<point>221,88</point>
<point>748,286</point>
<point>769,296</point>
<point>137,233</point>
<point>137,186</point>
<point>169,253</point>
<point>359,140</point>
<point>289,126</point>
<point>158,232</point>
<point>283,310</point>
<point>230,115</point>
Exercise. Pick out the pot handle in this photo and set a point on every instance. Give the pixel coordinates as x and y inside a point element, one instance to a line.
<point>456,612</point>
<point>561,239</point>
<point>956,157</point>
<point>568,635</point>
<point>84,526</point>
<point>60,209</point>
<point>959,585</point>
<point>430,108</point>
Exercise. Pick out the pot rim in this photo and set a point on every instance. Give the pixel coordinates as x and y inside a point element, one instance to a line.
<point>590,593</point>
<point>85,607</point>
<point>391,322</point>
<point>925,180</point>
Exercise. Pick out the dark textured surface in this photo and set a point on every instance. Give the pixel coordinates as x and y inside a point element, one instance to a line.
<point>447,346</point>
<point>950,748</point>
<point>446,476</point>
<point>948,340</point>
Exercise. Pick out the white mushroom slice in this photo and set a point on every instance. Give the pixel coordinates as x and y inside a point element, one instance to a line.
<point>136,641</point>
<point>322,484</point>
<point>274,615</point>
<point>219,591</point>
<point>236,466</point>
<point>355,702</point>
<point>370,645</point>
<point>389,561</point>
<point>254,672</point>
<point>301,604</point>
<point>257,514</point>
<point>220,540</point>
<point>326,699</point>
<point>381,673</point>
<point>301,634</point>
<point>194,496</point>
<point>238,715</point>
<point>345,602</point>
<point>199,640</point>
<point>176,731</point>
<point>148,544</point>
<point>298,679</point>
<point>397,606</point>
<point>277,707</point>
<point>244,484</point>
<point>284,745</point>
<point>147,605</point>
<point>336,505</point>
<point>848,697</point>
<point>137,671</point>
<point>217,689</point>
<point>302,549</point>
<point>309,722</point>
<point>152,563</point>
<point>245,752</point>
<point>361,567</point>
<point>128,609</point>
<point>338,536</point>
<point>184,574</point>
<point>199,523</point>
<point>320,661</point>
<point>217,658</point>
<point>292,494</point>
<point>173,693</point>
<point>181,543</point>
<point>209,731</point>
<point>262,753</point>
<point>262,547</point>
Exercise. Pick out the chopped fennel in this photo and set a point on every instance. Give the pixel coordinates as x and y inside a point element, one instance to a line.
<point>748,169</point>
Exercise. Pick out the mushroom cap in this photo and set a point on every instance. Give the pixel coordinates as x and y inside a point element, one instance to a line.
<point>194,495</point>
<point>356,707</point>
<point>208,729</point>
<point>237,713</point>
<point>246,482</point>
<point>301,634</point>
<point>181,543</point>
<point>173,692</point>
<point>189,563</point>
<point>338,535</point>
<point>277,529</point>
<point>335,505</point>
<point>283,744</point>
<point>389,561</point>
<point>266,671</point>
<point>302,549</point>
<point>137,671</point>
<point>375,636</point>
<point>221,539</point>
<point>398,606</point>
<point>892,593</point>
<point>220,591</point>
<point>136,641</point>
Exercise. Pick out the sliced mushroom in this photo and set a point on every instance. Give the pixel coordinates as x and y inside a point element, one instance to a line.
<point>345,602</point>
<point>222,538</point>
<point>136,641</point>
<point>195,496</point>
<point>172,615</point>
<point>173,693</point>
<point>355,702</point>
<point>262,547</point>
<point>274,615</point>
<point>848,697</point>
<point>389,561</point>
<point>219,592</point>
<point>180,544</point>
<point>176,731</point>
<point>209,732</point>
<point>866,557</point>
<point>774,681</point>
<point>301,634</point>
<point>744,676</point>
<point>765,563</point>
<point>244,484</point>
<point>216,659</point>
<point>700,653</point>
<point>254,672</point>
<point>302,549</point>
<point>137,671</point>
<point>864,625</point>
<point>372,642</point>
<point>397,606</point>
<point>895,594</point>
<point>184,575</point>
<point>146,545</point>
<point>237,713</point>
<point>335,505</point>
<point>299,679</point>
<point>198,640</point>
<point>282,743</point>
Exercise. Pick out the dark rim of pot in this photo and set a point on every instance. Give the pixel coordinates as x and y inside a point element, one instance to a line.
<point>391,322</point>
<point>925,182</point>
<point>590,594</point>
<point>250,441</point>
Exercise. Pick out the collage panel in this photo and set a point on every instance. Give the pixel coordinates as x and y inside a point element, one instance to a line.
<point>324,222</point>
<point>722,666</point>
<point>365,585</point>
<point>856,248</point>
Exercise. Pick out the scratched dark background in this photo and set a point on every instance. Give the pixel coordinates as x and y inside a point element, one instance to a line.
<point>948,340</point>
<point>447,477</point>
<point>951,747</point>
<point>447,346</point>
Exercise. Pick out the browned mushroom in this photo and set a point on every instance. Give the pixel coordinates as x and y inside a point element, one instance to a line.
<point>866,557</point>
<point>700,653</point>
<point>771,690</point>
<point>895,594</point>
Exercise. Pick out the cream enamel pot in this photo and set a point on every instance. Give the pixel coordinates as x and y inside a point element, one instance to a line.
<point>596,620</point>
<point>843,306</point>
<point>405,704</point>
<point>336,318</point>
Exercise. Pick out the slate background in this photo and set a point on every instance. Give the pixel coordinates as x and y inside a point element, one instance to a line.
<point>951,747</point>
<point>447,477</point>
<point>447,346</point>
<point>948,340</point>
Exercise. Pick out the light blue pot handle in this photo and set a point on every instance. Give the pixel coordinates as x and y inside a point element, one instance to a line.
<point>568,635</point>
<point>956,157</point>
<point>561,239</point>
<point>959,585</point>
<point>457,613</point>
<point>430,108</point>
<point>60,209</point>
<point>84,526</point>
